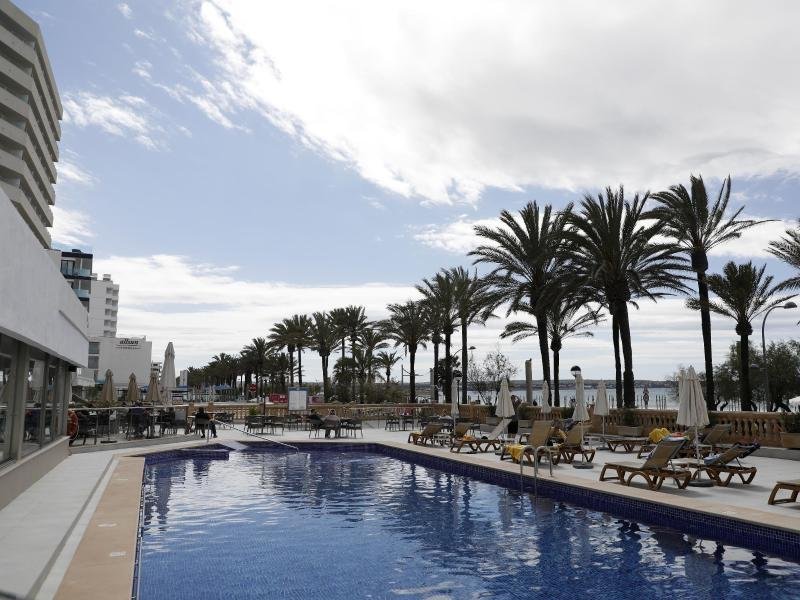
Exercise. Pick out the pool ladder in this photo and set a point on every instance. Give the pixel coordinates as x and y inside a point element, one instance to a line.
<point>536,460</point>
<point>261,437</point>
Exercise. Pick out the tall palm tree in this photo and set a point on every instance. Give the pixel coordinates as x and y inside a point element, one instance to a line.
<point>294,335</point>
<point>257,351</point>
<point>355,322</point>
<point>615,255</point>
<point>386,360</point>
<point>436,339</point>
<point>743,293</point>
<point>439,296</point>
<point>563,322</point>
<point>475,300</point>
<point>324,339</point>
<point>787,249</point>
<point>339,320</point>
<point>526,253</point>
<point>372,338</point>
<point>407,326</point>
<point>698,226</point>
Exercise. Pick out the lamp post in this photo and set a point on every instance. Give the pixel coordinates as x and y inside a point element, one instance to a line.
<point>787,305</point>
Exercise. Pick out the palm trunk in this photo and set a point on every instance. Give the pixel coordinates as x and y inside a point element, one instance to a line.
<point>464,398</point>
<point>300,367</point>
<point>325,384</point>
<point>436,372</point>
<point>705,323</point>
<point>291,368</point>
<point>628,388</point>
<point>412,382</point>
<point>544,350</point>
<point>353,369</point>
<point>617,360</point>
<point>745,392</point>
<point>448,374</point>
<point>556,346</point>
<point>388,375</point>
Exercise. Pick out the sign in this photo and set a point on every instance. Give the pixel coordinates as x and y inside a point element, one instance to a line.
<point>278,398</point>
<point>128,343</point>
<point>252,388</point>
<point>298,399</point>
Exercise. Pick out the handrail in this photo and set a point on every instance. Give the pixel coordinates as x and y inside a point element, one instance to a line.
<point>525,449</point>
<point>261,437</point>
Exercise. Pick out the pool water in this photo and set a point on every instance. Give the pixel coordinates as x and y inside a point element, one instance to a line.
<point>329,524</point>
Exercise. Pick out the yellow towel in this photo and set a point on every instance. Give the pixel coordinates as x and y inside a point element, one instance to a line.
<point>468,438</point>
<point>515,450</point>
<point>658,434</point>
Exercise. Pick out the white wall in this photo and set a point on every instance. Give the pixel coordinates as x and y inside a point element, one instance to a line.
<point>124,359</point>
<point>37,305</point>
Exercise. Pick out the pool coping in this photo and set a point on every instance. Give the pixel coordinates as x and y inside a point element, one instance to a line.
<point>749,528</point>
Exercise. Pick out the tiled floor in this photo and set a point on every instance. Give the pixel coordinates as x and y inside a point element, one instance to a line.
<point>45,532</point>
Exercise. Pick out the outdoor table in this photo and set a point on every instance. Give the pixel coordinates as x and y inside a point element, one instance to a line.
<point>392,423</point>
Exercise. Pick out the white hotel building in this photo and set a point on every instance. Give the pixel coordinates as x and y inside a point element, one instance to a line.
<point>43,325</point>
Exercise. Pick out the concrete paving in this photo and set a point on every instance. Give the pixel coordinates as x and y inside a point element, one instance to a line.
<point>46,523</point>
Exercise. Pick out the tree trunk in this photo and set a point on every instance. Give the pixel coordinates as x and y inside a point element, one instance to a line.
<point>448,373</point>
<point>353,369</point>
<point>436,373</point>
<point>325,384</point>
<point>617,360</point>
<point>300,367</point>
<point>705,323</point>
<point>291,368</point>
<point>388,375</point>
<point>544,349</point>
<point>628,387</point>
<point>412,382</point>
<point>556,347</point>
<point>745,392</point>
<point>464,358</point>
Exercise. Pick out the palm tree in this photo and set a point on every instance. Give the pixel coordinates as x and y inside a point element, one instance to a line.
<point>439,297</point>
<point>257,351</point>
<point>339,319</point>
<point>743,293</point>
<point>324,339</point>
<point>474,303</point>
<point>563,322</point>
<point>699,227</point>
<point>371,339</point>
<point>787,249</point>
<point>294,335</point>
<point>386,360</point>
<point>407,326</point>
<point>526,252</point>
<point>355,321</point>
<point>614,256</point>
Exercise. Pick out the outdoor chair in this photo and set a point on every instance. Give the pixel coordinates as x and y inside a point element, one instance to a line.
<point>426,436</point>
<point>715,436</point>
<point>723,467</point>
<point>654,470</point>
<point>353,426</point>
<point>314,426</point>
<point>200,425</point>
<point>87,427</point>
<point>275,423</point>
<point>573,446</point>
<point>792,486</point>
<point>537,441</point>
<point>253,422</point>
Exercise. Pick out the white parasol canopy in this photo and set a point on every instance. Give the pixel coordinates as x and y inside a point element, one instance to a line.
<point>132,395</point>
<point>505,407</point>
<point>581,413</point>
<point>547,407</point>
<point>454,398</point>
<point>168,374</point>
<point>153,393</point>
<point>601,404</point>
<point>108,396</point>
<point>692,410</point>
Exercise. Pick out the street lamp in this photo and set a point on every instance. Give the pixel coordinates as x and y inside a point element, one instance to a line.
<point>787,305</point>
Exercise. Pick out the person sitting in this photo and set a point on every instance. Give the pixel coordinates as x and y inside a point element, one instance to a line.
<point>331,423</point>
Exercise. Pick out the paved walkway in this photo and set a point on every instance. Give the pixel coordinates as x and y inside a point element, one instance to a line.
<point>41,529</point>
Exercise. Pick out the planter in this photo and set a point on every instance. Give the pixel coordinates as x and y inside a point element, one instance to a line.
<point>790,440</point>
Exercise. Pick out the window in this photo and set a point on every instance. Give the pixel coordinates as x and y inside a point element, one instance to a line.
<point>35,394</point>
<point>8,351</point>
<point>94,347</point>
<point>93,362</point>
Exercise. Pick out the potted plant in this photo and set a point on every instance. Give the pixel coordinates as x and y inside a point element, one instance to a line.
<point>790,436</point>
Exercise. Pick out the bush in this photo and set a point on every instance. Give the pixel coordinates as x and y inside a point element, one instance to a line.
<point>791,423</point>
<point>628,417</point>
<point>253,411</point>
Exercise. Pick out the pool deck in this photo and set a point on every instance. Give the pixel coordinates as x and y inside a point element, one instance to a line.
<point>83,544</point>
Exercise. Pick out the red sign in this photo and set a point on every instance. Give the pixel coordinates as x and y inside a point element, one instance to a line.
<point>278,398</point>
<point>253,387</point>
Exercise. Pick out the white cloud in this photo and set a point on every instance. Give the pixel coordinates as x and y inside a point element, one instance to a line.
<point>125,10</point>
<point>142,69</point>
<point>70,227</point>
<point>443,99</point>
<point>754,241</point>
<point>68,171</point>
<point>457,237</point>
<point>143,34</point>
<point>125,116</point>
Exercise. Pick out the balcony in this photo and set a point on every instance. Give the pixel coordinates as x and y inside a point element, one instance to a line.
<point>76,272</point>
<point>82,294</point>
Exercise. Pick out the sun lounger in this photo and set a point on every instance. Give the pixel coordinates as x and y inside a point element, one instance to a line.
<point>714,438</point>
<point>722,468</point>
<point>792,486</point>
<point>654,470</point>
<point>426,436</point>
<point>537,439</point>
<point>573,446</point>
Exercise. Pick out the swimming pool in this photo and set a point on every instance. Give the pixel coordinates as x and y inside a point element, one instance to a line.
<point>341,524</point>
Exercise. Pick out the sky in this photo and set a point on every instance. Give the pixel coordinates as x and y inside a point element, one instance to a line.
<point>233,163</point>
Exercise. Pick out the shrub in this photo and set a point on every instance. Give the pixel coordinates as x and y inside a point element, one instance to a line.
<point>791,423</point>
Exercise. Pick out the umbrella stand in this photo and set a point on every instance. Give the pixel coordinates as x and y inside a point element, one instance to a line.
<point>699,482</point>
